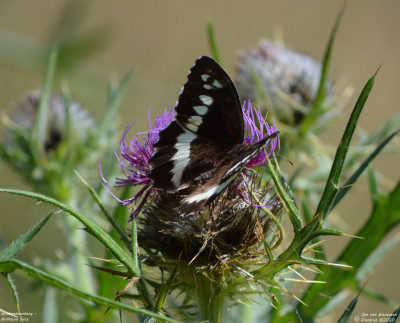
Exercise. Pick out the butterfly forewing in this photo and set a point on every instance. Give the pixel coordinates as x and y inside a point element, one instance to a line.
<point>209,104</point>
<point>208,124</point>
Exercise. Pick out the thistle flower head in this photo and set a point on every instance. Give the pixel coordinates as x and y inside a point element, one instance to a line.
<point>53,157</point>
<point>288,79</point>
<point>134,160</point>
<point>24,114</point>
<point>234,221</point>
<point>230,226</point>
<point>256,128</point>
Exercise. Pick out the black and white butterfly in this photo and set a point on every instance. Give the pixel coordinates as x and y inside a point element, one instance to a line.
<point>204,146</point>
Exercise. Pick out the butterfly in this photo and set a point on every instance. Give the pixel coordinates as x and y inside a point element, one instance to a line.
<point>203,147</point>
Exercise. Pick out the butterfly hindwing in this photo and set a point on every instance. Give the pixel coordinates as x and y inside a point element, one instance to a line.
<point>224,174</point>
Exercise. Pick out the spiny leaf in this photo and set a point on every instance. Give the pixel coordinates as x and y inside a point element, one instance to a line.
<point>41,121</point>
<point>353,178</point>
<point>13,289</point>
<point>14,248</point>
<point>395,315</point>
<point>379,297</point>
<point>385,216</point>
<point>285,198</point>
<point>375,258</point>
<point>317,107</point>
<point>91,227</point>
<point>162,295</point>
<point>331,186</point>
<point>349,309</point>
<point>114,99</point>
<point>65,286</point>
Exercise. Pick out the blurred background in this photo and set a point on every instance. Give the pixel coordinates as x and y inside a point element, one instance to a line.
<point>100,40</point>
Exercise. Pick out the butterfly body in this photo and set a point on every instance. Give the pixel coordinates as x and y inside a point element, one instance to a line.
<point>203,148</point>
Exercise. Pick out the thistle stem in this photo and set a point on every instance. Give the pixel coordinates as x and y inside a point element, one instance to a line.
<point>211,295</point>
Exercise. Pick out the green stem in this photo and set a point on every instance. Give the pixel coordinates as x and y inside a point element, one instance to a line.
<point>77,244</point>
<point>135,255</point>
<point>211,297</point>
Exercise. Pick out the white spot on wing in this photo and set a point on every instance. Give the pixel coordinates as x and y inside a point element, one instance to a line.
<point>217,84</point>
<point>191,127</point>
<point>200,109</point>
<point>205,77</point>
<point>238,166</point>
<point>210,192</point>
<point>181,160</point>
<point>208,86</point>
<point>207,100</point>
<point>177,170</point>
<point>196,120</point>
<point>185,137</point>
<point>183,152</point>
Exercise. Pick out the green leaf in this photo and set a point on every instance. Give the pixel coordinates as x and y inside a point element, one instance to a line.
<point>353,178</point>
<point>286,199</point>
<point>375,258</point>
<point>91,227</point>
<point>114,100</point>
<point>385,217</point>
<point>383,131</point>
<point>40,125</point>
<point>13,249</point>
<point>346,315</point>
<point>395,315</point>
<point>162,295</point>
<point>318,107</point>
<point>13,289</point>
<point>331,187</point>
<point>212,41</point>
<point>65,286</point>
<point>379,297</point>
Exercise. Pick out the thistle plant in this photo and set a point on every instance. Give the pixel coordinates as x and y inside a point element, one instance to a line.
<point>239,258</point>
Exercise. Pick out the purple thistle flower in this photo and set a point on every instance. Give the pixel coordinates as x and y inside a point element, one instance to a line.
<point>134,161</point>
<point>135,156</point>
<point>256,128</point>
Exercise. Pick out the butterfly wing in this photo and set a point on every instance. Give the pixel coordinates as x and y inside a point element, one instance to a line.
<point>209,104</point>
<point>207,125</point>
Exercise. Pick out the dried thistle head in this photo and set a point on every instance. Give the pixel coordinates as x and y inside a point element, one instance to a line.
<point>23,116</point>
<point>231,226</point>
<point>287,80</point>
<point>67,133</point>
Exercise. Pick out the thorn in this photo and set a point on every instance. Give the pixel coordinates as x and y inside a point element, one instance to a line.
<point>377,70</point>
<point>343,187</point>
<point>352,236</point>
